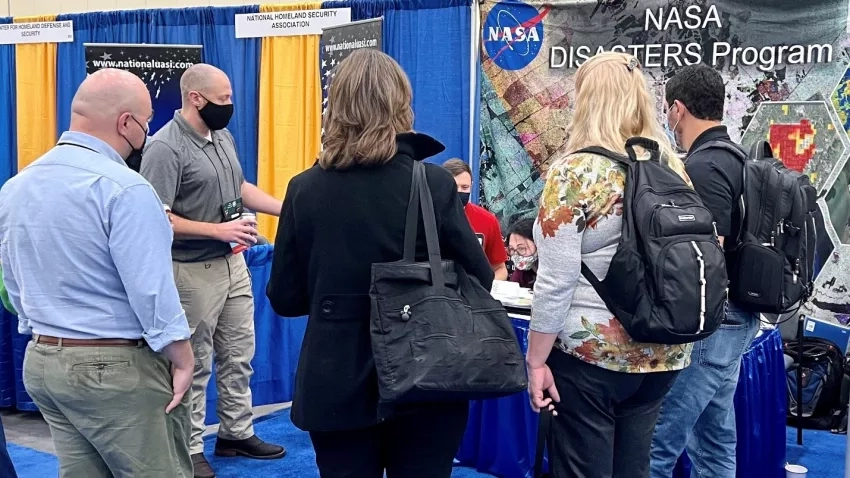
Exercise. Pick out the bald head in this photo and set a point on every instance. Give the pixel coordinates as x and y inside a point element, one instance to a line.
<point>106,94</point>
<point>113,106</point>
<point>204,79</point>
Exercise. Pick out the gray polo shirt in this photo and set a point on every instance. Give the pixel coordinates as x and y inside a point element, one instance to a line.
<point>195,177</point>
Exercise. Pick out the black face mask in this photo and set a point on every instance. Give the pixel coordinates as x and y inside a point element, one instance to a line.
<point>464,198</point>
<point>134,159</point>
<point>216,116</point>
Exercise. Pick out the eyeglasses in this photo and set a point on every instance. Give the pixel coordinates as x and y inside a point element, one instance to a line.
<point>521,250</point>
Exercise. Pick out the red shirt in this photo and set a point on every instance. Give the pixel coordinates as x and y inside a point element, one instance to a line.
<point>486,227</point>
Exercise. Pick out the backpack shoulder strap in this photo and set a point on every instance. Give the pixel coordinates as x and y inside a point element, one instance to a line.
<point>761,150</point>
<point>617,158</point>
<point>733,148</point>
<point>597,285</point>
<point>739,153</point>
<point>585,271</point>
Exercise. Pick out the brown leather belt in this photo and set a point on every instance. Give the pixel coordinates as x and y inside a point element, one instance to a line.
<point>47,340</point>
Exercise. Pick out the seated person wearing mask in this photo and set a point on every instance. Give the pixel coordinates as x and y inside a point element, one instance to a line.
<point>483,222</point>
<point>523,252</point>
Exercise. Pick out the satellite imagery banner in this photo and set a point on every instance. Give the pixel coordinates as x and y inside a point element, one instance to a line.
<point>159,66</point>
<point>785,63</point>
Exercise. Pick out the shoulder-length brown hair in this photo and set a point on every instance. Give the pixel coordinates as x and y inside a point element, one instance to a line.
<point>368,104</point>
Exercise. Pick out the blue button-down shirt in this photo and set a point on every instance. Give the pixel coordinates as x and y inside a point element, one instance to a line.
<point>86,248</point>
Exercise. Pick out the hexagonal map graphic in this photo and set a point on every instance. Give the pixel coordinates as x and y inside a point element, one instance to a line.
<point>829,301</point>
<point>826,239</point>
<point>803,134</point>
<point>841,100</point>
<point>837,204</point>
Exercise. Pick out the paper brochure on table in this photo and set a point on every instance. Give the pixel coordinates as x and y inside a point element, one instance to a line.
<point>505,289</point>
<point>511,294</point>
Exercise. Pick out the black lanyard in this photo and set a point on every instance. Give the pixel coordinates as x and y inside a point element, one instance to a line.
<point>79,146</point>
<point>236,191</point>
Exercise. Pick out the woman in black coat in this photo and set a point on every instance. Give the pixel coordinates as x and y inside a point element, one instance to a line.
<point>338,218</point>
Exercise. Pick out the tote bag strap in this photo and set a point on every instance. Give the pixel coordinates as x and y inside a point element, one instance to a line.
<point>420,199</point>
<point>543,427</point>
<point>430,221</point>
<point>411,228</point>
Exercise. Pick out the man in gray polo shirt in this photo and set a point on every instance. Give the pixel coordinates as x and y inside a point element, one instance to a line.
<point>192,164</point>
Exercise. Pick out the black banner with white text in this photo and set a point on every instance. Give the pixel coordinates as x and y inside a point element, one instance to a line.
<point>159,66</point>
<point>338,42</point>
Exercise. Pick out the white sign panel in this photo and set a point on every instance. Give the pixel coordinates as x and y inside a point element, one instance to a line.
<point>290,23</point>
<point>37,32</point>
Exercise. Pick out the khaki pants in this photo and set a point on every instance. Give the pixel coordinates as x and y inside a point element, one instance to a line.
<point>217,298</point>
<point>106,410</point>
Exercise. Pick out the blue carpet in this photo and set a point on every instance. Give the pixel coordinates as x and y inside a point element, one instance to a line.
<point>300,461</point>
<point>30,463</point>
<point>822,452</point>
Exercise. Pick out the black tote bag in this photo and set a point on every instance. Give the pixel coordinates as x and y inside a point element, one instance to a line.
<point>437,333</point>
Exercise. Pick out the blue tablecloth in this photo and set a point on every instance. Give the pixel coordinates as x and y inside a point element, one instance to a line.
<point>501,434</point>
<point>12,347</point>
<point>278,343</point>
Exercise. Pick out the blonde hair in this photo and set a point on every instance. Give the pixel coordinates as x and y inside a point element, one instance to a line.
<point>613,104</point>
<point>368,104</point>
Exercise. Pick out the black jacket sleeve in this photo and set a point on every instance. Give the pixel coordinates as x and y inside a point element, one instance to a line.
<point>287,291</point>
<point>459,242</point>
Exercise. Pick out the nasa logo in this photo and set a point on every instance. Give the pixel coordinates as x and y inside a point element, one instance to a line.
<point>513,34</point>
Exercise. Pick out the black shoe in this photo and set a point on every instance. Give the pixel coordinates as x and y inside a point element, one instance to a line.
<point>251,447</point>
<point>202,466</point>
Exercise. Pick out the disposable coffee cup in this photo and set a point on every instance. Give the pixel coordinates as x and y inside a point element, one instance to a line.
<point>168,214</point>
<point>248,215</point>
<point>795,471</point>
<point>235,247</point>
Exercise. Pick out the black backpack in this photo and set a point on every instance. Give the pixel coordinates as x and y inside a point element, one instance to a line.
<point>823,367</point>
<point>667,281</point>
<point>774,253</point>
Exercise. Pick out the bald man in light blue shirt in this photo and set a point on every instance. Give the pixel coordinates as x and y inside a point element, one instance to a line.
<point>85,248</point>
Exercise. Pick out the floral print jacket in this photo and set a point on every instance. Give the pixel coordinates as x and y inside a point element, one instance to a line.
<point>580,219</point>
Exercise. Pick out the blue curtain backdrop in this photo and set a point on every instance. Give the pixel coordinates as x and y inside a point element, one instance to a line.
<point>12,393</point>
<point>8,133</point>
<point>211,27</point>
<point>129,26</point>
<point>430,40</point>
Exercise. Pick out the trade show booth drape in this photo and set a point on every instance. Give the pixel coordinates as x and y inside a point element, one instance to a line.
<point>211,27</point>
<point>8,100</point>
<point>128,26</point>
<point>37,90</point>
<point>430,40</point>
<point>290,110</point>
<point>8,167</point>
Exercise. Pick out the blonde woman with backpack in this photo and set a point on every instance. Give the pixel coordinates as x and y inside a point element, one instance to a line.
<point>604,387</point>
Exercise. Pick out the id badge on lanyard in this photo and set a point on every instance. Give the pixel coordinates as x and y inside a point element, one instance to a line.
<point>232,209</point>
